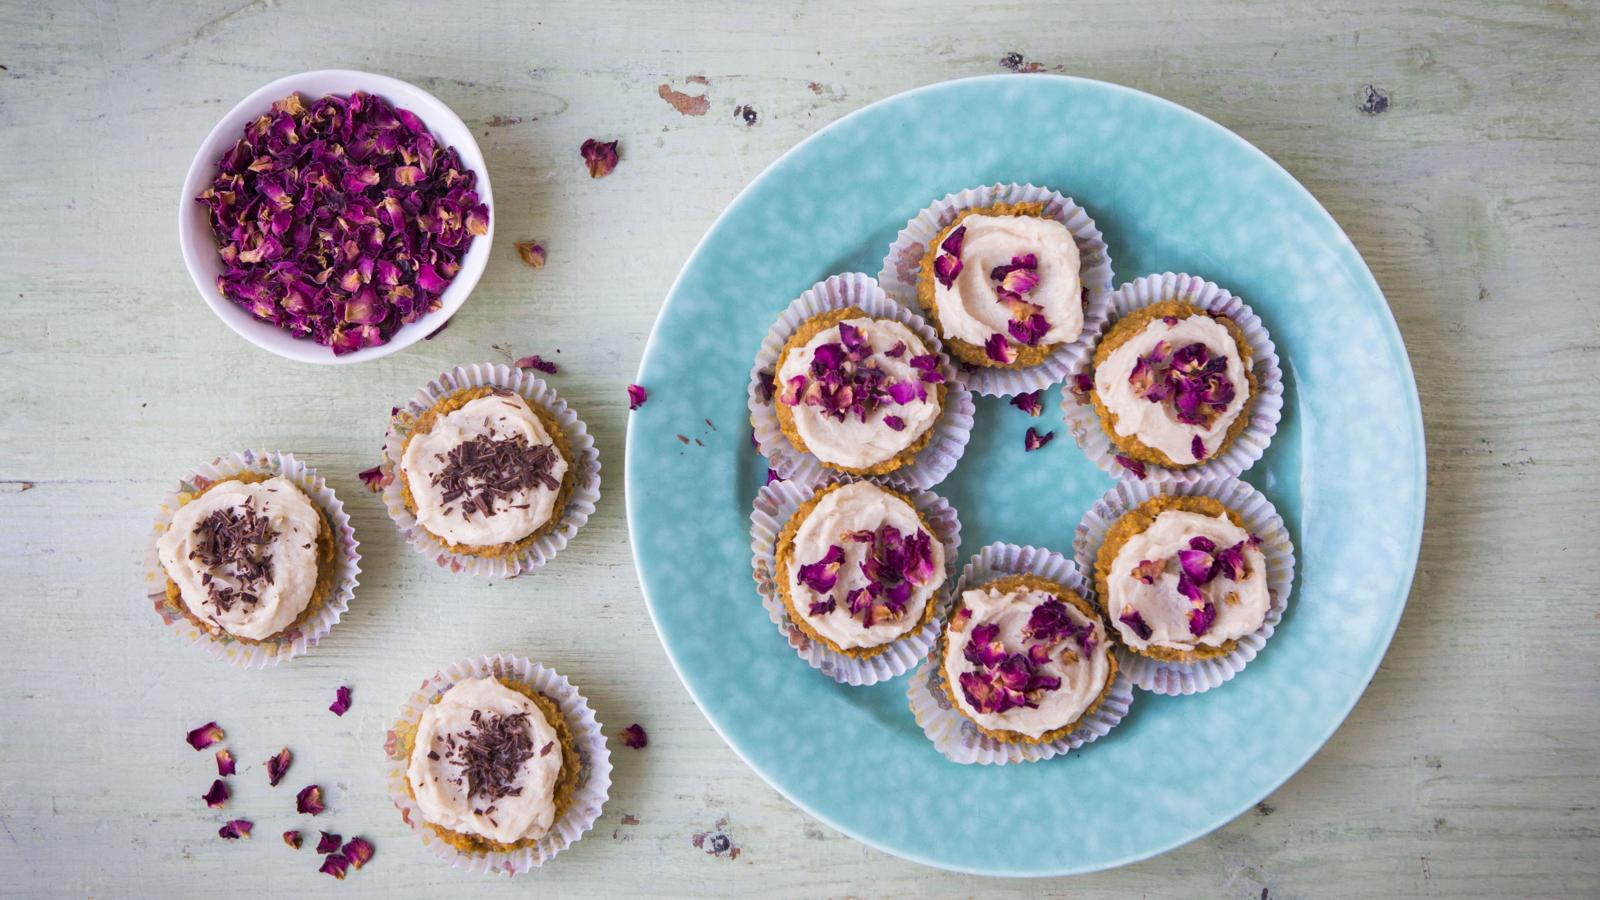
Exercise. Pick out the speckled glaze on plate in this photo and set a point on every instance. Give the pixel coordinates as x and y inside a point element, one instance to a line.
<point>1172,191</point>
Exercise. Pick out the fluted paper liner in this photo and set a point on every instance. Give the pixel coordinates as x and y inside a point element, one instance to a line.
<point>774,505</point>
<point>594,760</point>
<point>1265,411</point>
<point>951,430</point>
<point>303,636</point>
<point>954,735</point>
<point>902,266</point>
<point>586,480</point>
<point>1260,518</point>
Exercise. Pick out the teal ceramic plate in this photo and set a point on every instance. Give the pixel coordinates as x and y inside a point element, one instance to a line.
<point>1172,191</point>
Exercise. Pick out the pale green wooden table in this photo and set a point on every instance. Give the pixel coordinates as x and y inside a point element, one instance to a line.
<point>1458,144</point>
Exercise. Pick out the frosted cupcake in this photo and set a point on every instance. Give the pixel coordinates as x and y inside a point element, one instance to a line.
<point>1002,285</point>
<point>859,568</point>
<point>1173,385</point>
<point>492,765</point>
<point>1182,579</point>
<point>250,557</point>
<point>1025,659</point>
<point>860,393</point>
<point>485,472</point>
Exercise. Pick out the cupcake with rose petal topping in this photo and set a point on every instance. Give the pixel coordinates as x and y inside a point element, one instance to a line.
<point>1002,283</point>
<point>1173,384</point>
<point>860,393</point>
<point>858,568</point>
<point>249,557</point>
<point>486,472</point>
<point>1182,579</point>
<point>492,766</point>
<point>1026,659</point>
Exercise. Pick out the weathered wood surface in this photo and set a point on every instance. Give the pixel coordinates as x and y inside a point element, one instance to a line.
<point>1469,177</point>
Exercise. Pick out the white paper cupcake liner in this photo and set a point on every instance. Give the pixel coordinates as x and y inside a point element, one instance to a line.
<point>594,760</point>
<point>954,735</point>
<point>1265,411</point>
<point>302,637</point>
<point>774,505</point>
<point>1260,518</point>
<point>938,457</point>
<point>580,504</point>
<point>902,267</point>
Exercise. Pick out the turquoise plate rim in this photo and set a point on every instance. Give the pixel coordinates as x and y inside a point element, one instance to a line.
<point>1408,564</point>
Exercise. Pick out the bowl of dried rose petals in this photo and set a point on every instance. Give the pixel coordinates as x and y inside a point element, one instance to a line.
<point>336,216</point>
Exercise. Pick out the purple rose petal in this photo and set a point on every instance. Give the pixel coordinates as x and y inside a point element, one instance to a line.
<point>217,796</point>
<point>205,736</point>
<point>997,349</point>
<point>1133,620</point>
<point>309,800</point>
<point>335,864</point>
<point>1201,619</point>
<point>358,850</point>
<point>634,737</point>
<point>238,828</point>
<point>341,700</point>
<point>1031,403</point>
<point>226,765</point>
<point>538,362</point>
<point>1033,440</point>
<point>636,396</point>
<point>599,156</point>
<point>278,766</point>
<point>329,843</point>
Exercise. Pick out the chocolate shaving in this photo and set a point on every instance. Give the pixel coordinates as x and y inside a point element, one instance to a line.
<point>483,470</point>
<point>237,542</point>
<point>492,753</point>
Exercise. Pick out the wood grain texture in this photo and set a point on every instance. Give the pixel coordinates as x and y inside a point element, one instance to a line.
<point>1468,176</point>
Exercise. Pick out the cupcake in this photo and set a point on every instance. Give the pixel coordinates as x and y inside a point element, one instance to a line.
<point>498,764</point>
<point>249,557</point>
<point>485,472</point>
<point>1182,579</point>
<point>492,765</point>
<point>859,568</point>
<point>1002,284</point>
<point>488,472</point>
<point>860,393</point>
<point>1173,384</point>
<point>1026,659</point>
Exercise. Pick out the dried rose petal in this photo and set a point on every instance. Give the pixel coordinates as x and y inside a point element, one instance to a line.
<point>238,828</point>
<point>531,252</point>
<point>1197,564</point>
<point>205,736</point>
<point>952,241</point>
<point>278,766</point>
<point>1190,590</point>
<point>1031,403</point>
<point>822,575</point>
<point>217,796</point>
<point>1029,331</point>
<point>375,478</point>
<point>334,864</point>
<point>897,351</point>
<point>1134,467</point>
<point>772,475</point>
<point>329,842</point>
<point>985,648</point>
<point>895,423</point>
<point>1201,619</point>
<point>1082,384</point>
<point>293,839</point>
<point>636,396</point>
<point>1050,622</point>
<point>225,762</point>
<point>958,622</point>
<point>946,268</point>
<point>309,800</point>
<point>1033,440</point>
<point>358,851</point>
<point>1133,620</point>
<point>1198,448</point>
<point>999,350</point>
<point>1231,563</point>
<point>903,392</point>
<point>927,366</point>
<point>1149,570</point>
<point>599,156</point>
<point>634,736</point>
<point>341,700</point>
<point>822,607</point>
<point>536,362</point>
<point>341,219</point>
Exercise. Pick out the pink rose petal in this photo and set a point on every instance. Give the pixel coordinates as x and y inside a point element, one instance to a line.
<point>225,762</point>
<point>634,737</point>
<point>278,766</point>
<point>217,796</point>
<point>636,396</point>
<point>536,362</point>
<point>238,828</point>
<point>309,800</point>
<point>205,736</point>
<point>293,839</point>
<point>329,842</point>
<point>1033,440</point>
<point>600,156</point>
<point>341,701</point>
<point>1031,403</point>
<point>358,851</point>
<point>334,864</point>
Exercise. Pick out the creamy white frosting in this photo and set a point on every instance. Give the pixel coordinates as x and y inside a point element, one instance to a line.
<point>1156,424</point>
<point>294,523</point>
<point>1082,677</point>
<point>501,417</point>
<point>851,442</point>
<point>856,507</point>
<point>970,309</point>
<point>440,785</point>
<point>1161,606</point>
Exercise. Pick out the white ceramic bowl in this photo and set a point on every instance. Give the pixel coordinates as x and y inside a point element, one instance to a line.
<point>200,245</point>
